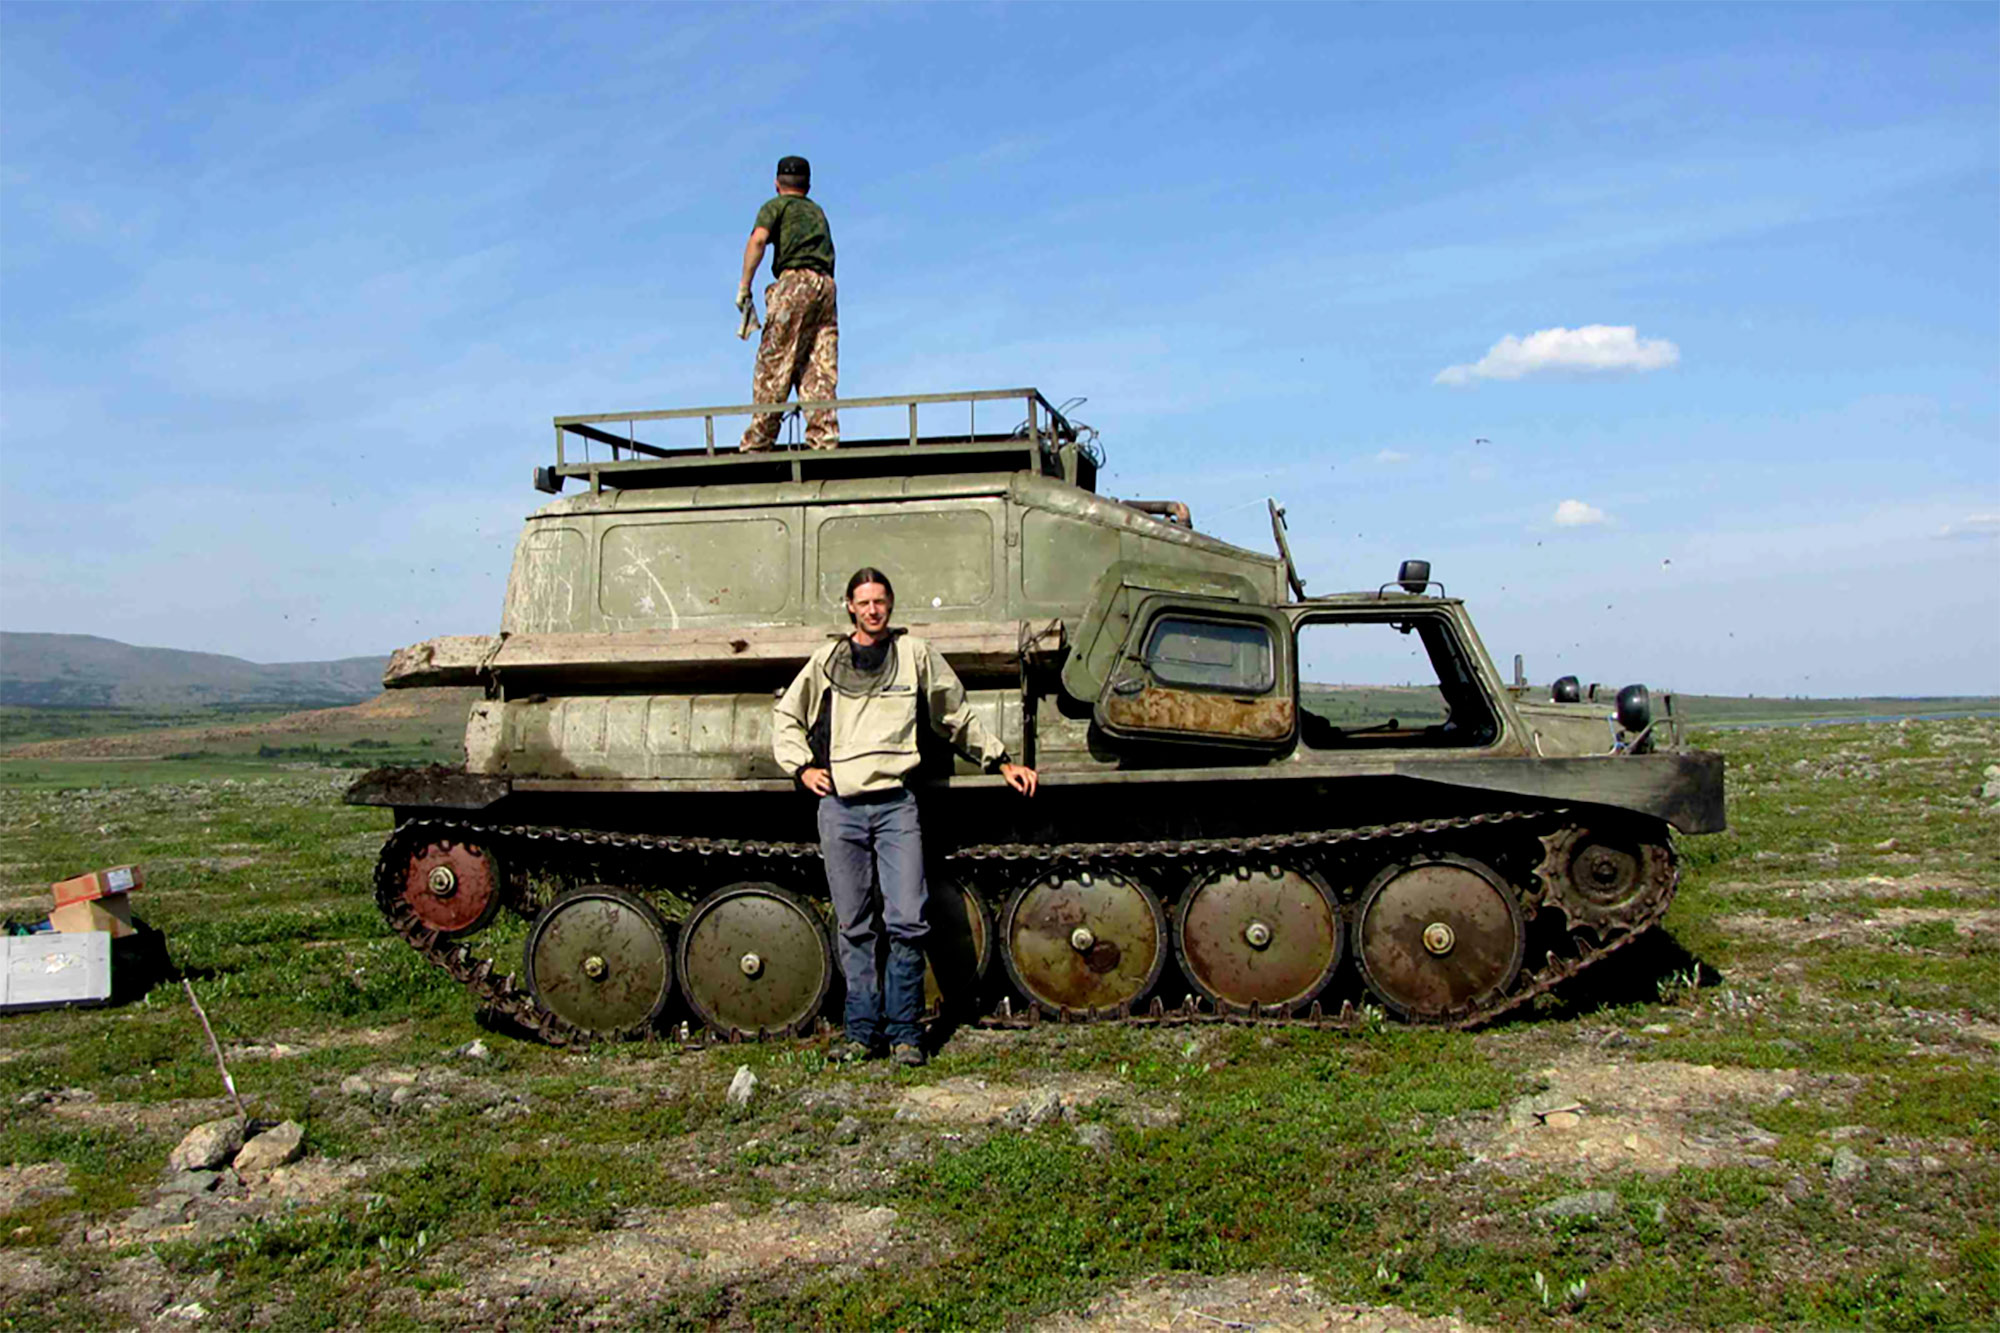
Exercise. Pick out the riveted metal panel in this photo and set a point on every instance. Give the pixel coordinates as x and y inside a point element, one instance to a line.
<point>547,590</point>
<point>687,570</point>
<point>939,559</point>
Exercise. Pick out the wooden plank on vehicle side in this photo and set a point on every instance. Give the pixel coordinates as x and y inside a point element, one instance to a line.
<point>979,646</point>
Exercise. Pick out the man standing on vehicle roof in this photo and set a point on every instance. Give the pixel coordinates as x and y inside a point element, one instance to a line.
<point>801,345</point>
<point>846,728</point>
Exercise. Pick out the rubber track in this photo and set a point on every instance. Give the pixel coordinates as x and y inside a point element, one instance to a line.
<point>507,998</point>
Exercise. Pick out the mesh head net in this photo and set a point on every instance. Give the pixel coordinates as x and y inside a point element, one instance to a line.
<point>850,678</point>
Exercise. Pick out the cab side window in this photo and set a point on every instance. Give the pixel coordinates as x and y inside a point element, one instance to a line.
<point>1211,655</point>
<point>1389,684</point>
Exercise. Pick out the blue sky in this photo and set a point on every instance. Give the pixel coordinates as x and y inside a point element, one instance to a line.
<point>289,293</point>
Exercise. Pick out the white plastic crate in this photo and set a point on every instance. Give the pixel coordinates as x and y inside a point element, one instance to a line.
<point>52,969</point>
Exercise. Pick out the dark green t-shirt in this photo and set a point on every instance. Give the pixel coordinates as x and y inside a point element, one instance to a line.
<point>799,231</point>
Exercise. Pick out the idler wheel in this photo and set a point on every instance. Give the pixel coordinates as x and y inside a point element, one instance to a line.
<point>600,960</point>
<point>1268,936</point>
<point>1438,936</point>
<point>453,887</point>
<point>755,958</point>
<point>1092,940</point>
<point>959,947</point>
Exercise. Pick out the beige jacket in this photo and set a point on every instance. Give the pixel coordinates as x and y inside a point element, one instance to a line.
<point>872,738</point>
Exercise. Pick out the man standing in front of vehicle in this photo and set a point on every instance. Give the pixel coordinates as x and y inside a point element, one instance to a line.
<point>846,728</point>
<point>801,344</point>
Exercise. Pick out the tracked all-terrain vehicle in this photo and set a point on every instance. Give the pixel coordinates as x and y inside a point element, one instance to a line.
<point>1255,804</point>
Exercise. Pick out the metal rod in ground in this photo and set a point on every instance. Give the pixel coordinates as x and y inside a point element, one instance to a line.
<point>213,1045</point>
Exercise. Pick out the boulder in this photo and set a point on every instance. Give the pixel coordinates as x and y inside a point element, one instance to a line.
<point>208,1146</point>
<point>273,1148</point>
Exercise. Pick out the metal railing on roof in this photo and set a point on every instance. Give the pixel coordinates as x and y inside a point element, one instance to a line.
<point>1045,426</point>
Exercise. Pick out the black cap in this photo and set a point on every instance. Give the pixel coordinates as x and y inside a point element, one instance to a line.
<point>795,166</point>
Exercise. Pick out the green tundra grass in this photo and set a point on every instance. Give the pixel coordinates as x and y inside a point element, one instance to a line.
<point>1802,1070</point>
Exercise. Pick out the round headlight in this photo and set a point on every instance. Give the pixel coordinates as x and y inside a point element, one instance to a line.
<point>1635,709</point>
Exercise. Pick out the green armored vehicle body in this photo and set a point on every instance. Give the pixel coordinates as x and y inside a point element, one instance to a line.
<point>1254,803</point>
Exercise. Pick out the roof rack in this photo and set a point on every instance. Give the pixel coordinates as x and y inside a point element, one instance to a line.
<point>1047,443</point>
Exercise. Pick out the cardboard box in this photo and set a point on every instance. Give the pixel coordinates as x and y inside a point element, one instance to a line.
<point>98,884</point>
<point>113,915</point>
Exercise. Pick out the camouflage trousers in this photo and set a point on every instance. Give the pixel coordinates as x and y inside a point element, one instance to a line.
<point>800,350</point>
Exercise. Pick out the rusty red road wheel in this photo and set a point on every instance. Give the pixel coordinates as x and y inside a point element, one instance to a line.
<point>1438,936</point>
<point>453,887</point>
<point>1265,936</point>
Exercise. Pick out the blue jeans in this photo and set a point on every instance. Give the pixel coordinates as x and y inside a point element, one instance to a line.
<point>872,842</point>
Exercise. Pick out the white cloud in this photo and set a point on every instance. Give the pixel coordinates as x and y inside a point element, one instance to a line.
<point>1577,514</point>
<point>1594,349</point>
<point>1392,456</point>
<point>1973,525</point>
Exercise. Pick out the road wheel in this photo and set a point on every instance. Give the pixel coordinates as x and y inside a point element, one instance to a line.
<point>755,958</point>
<point>1438,937</point>
<point>1085,941</point>
<point>601,960</point>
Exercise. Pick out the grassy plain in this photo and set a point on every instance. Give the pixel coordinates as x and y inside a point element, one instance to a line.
<point>1785,1113</point>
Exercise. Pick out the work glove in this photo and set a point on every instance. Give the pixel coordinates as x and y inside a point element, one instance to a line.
<point>743,301</point>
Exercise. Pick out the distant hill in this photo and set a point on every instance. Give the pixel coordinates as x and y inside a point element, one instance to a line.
<point>85,671</point>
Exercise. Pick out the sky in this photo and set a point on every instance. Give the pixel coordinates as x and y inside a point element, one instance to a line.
<point>1669,335</point>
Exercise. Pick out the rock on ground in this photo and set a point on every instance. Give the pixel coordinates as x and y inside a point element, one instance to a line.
<point>740,1087</point>
<point>274,1147</point>
<point>1042,1106</point>
<point>23,1185</point>
<point>1267,1302</point>
<point>208,1146</point>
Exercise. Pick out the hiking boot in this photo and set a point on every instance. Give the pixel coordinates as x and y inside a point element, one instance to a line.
<point>909,1056</point>
<point>849,1053</point>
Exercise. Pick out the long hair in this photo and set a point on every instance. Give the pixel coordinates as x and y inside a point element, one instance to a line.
<point>868,574</point>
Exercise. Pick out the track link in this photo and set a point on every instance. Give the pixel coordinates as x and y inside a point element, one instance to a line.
<point>502,996</point>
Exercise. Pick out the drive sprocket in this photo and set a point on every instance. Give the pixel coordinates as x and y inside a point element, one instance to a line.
<point>1604,876</point>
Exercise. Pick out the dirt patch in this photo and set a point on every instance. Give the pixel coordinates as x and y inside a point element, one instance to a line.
<point>652,1255</point>
<point>203,1214</point>
<point>155,1118</point>
<point>1843,928</point>
<point>1883,888</point>
<point>23,1185</point>
<point>1653,1117</point>
<point>974,1101</point>
<point>23,1274</point>
<point>1267,1302</point>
